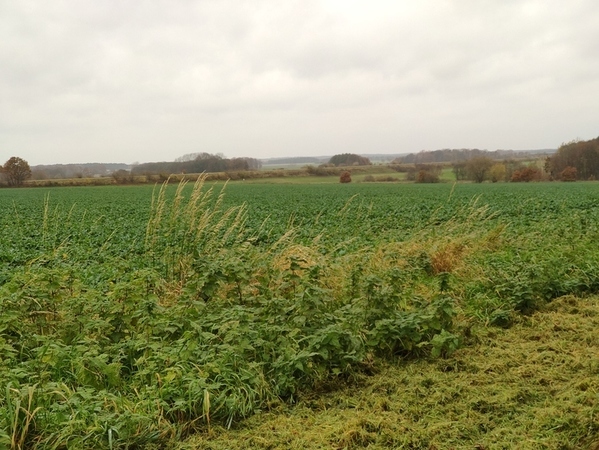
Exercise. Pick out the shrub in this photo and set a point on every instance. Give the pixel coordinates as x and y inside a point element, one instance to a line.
<point>382,178</point>
<point>386,178</point>
<point>497,172</point>
<point>320,171</point>
<point>122,176</point>
<point>527,174</point>
<point>345,177</point>
<point>425,176</point>
<point>569,174</point>
<point>399,167</point>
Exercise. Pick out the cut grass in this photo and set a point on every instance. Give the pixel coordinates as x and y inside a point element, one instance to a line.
<point>533,386</point>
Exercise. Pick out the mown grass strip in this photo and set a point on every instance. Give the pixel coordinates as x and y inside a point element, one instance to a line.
<point>533,386</point>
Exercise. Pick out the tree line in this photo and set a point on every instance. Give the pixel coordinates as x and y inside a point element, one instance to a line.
<point>452,155</point>
<point>575,160</point>
<point>62,171</point>
<point>197,163</point>
<point>484,168</point>
<point>349,159</point>
<point>477,169</point>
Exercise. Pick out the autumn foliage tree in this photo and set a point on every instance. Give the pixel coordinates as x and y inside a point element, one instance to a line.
<point>345,177</point>
<point>527,174</point>
<point>426,177</point>
<point>569,174</point>
<point>478,168</point>
<point>16,170</point>
<point>497,172</point>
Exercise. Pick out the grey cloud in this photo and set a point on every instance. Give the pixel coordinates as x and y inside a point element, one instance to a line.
<point>146,81</point>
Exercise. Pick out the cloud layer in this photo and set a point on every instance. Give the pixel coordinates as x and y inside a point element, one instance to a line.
<point>123,81</point>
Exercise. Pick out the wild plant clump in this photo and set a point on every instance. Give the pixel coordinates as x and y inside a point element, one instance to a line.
<point>204,325</point>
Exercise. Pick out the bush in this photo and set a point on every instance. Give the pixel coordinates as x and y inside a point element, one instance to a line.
<point>497,172</point>
<point>402,168</point>
<point>122,176</point>
<point>321,171</point>
<point>527,174</point>
<point>425,176</point>
<point>345,177</point>
<point>569,174</point>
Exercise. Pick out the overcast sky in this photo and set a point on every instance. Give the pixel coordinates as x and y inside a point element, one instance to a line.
<point>132,80</point>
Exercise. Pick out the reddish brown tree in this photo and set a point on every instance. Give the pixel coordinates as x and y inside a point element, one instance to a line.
<point>569,174</point>
<point>527,174</point>
<point>583,155</point>
<point>16,170</point>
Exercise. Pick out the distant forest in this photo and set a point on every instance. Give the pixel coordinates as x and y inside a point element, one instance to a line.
<point>197,163</point>
<point>458,155</point>
<point>349,159</point>
<point>62,171</point>
<point>576,159</point>
<point>293,160</point>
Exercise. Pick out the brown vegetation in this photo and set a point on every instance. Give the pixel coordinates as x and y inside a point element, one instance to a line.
<point>527,174</point>
<point>581,155</point>
<point>427,176</point>
<point>345,177</point>
<point>478,168</point>
<point>569,174</point>
<point>16,170</point>
<point>497,172</point>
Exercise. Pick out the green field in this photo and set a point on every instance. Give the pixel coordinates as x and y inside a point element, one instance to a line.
<point>259,315</point>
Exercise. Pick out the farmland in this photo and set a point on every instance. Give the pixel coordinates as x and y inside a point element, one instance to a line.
<point>135,316</point>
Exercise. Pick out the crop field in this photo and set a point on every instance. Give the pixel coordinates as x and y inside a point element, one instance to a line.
<point>258,315</point>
